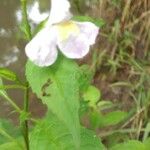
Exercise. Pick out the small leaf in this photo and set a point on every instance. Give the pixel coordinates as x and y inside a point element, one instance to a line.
<point>92,95</point>
<point>99,120</point>
<point>2,91</point>
<point>8,74</point>
<point>24,116</point>
<point>95,119</point>
<point>97,22</point>
<point>112,118</point>
<point>104,104</point>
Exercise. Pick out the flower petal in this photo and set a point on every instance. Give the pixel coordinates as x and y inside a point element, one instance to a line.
<point>90,30</point>
<point>74,46</point>
<point>60,11</point>
<point>35,15</point>
<point>78,42</point>
<point>42,48</point>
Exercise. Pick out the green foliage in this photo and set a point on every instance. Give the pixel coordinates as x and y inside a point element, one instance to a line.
<point>85,76</point>
<point>11,146</point>
<point>2,91</point>
<point>10,136</point>
<point>99,120</point>
<point>8,74</point>
<point>6,97</point>
<point>11,76</point>
<point>52,134</point>
<point>115,138</point>
<point>66,88</point>
<point>6,125</point>
<point>112,118</point>
<point>84,107</point>
<point>92,95</point>
<point>24,116</point>
<point>25,26</point>
<point>103,104</point>
<point>98,22</point>
<point>94,117</point>
<point>39,27</point>
<point>57,86</point>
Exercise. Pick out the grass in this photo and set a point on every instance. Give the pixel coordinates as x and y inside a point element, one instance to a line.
<point>121,60</point>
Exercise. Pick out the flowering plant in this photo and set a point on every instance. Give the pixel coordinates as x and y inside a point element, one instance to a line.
<point>73,106</point>
<point>60,86</point>
<point>72,38</point>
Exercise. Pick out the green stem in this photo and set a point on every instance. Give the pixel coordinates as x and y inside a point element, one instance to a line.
<point>25,122</point>
<point>26,97</point>
<point>5,87</point>
<point>25,19</point>
<point>10,101</point>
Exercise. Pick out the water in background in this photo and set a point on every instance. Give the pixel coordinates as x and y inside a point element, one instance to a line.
<point>12,53</point>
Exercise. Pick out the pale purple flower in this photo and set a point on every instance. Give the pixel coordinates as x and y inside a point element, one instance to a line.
<point>72,38</point>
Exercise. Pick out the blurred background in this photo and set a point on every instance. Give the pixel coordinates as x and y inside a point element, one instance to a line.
<point>120,58</point>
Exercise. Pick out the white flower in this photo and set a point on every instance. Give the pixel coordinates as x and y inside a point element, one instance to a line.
<point>72,38</point>
<point>35,15</point>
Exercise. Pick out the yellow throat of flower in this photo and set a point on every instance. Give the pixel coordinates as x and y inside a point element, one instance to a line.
<point>67,28</point>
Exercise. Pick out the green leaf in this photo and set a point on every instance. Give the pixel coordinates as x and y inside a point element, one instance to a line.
<point>10,136</point>
<point>112,118</point>
<point>7,126</point>
<point>103,104</point>
<point>6,97</point>
<point>84,107</point>
<point>57,86</point>
<point>2,91</point>
<point>11,146</point>
<point>95,119</point>
<point>99,120</point>
<point>24,116</point>
<point>92,95</point>
<point>97,22</point>
<point>8,74</point>
<point>52,134</point>
<point>130,145</point>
